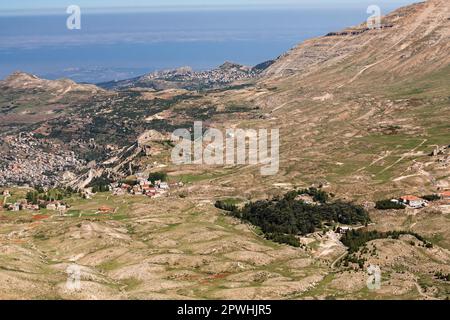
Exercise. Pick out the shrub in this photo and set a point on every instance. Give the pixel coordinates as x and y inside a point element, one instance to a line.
<point>223,205</point>
<point>288,239</point>
<point>100,184</point>
<point>32,197</point>
<point>317,194</point>
<point>431,197</point>
<point>355,239</point>
<point>155,176</point>
<point>388,204</point>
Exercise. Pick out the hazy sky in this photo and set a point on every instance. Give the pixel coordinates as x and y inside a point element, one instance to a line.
<point>42,5</point>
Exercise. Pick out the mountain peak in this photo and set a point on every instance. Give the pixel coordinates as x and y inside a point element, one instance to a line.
<point>410,38</point>
<point>21,76</point>
<point>23,80</point>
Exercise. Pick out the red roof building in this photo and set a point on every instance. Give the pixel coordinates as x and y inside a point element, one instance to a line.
<point>410,198</point>
<point>105,209</point>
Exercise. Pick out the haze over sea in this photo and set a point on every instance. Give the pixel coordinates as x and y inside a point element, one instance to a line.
<point>118,45</point>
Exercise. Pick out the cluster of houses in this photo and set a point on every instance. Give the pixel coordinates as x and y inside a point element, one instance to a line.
<point>143,187</point>
<point>56,206</point>
<point>23,204</point>
<point>26,160</point>
<point>226,73</point>
<point>412,201</point>
<point>417,202</point>
<point>343,230</point>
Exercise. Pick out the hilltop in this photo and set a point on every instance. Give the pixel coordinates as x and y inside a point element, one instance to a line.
<point>23,81</point>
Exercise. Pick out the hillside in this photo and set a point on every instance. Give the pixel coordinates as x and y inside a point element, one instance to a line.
<point>362,111</point>
<point>410,39</point>
<point>363,115</point>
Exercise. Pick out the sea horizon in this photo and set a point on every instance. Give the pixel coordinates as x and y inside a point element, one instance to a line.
<point>116,46</point>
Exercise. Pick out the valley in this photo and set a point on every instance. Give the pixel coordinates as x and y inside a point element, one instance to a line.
<point>363,116</point>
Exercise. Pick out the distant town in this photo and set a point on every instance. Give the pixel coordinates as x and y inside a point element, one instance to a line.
<point>31,161</point>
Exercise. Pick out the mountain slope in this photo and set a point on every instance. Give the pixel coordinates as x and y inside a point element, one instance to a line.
<point>412,38</point>
<point>359,115</point>
<point>26,99</point>
<point>361,111</point>
<point>357,107</point>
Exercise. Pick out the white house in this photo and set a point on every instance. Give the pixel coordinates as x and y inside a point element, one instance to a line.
<point>51,206</point>
<point>414,202</point>
<point>164,186</point>
<point>14,207</point>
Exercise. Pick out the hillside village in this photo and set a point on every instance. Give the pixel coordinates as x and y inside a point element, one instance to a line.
<point>187,78</point>
<point>144,187</point>
<point>226,73</point>
<point>31,161</point>
<point>36,200</point>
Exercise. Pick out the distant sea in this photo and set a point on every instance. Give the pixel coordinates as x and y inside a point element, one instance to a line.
<point>116,46</point>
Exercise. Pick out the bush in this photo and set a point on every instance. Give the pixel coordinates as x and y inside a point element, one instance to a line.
<point>317,194</point>
<point>223,205</point>
<point>355,239</point>
<point>100,184</point>
<point>388,204</point>
<point>431,197</point>
<point>155,176</point>
<point>288,239</point>
<point>32,197</point>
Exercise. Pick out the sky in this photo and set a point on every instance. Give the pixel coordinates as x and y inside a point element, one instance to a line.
<point>30,6</point>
